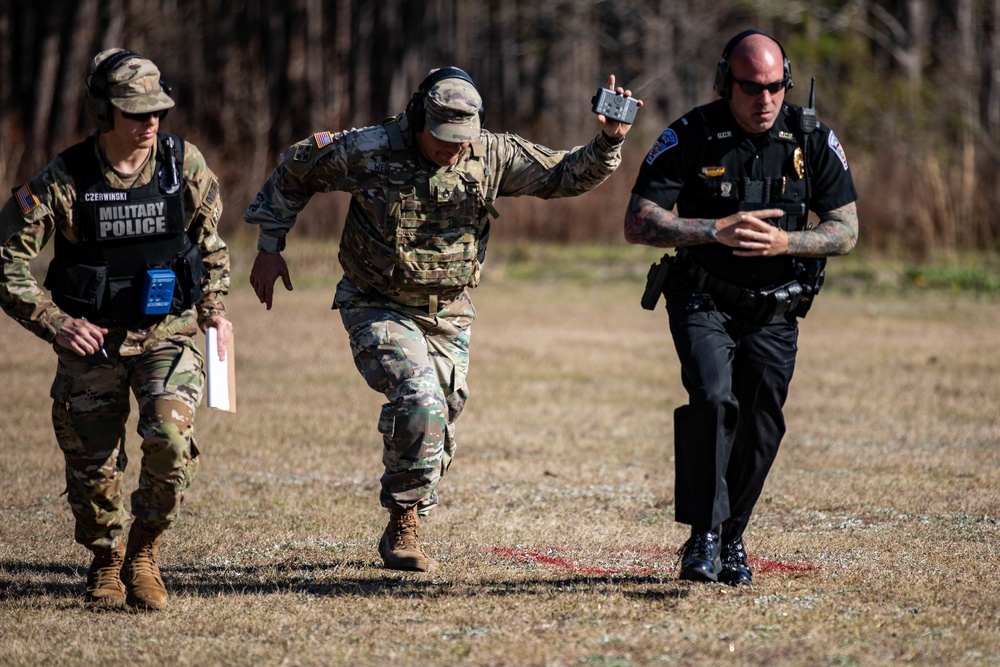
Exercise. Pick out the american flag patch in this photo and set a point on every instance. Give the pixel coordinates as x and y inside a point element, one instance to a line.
<point>26,199</point>
<point>323,139</point>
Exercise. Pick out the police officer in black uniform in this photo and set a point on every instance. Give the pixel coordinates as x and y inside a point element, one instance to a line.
<point>743,172</point>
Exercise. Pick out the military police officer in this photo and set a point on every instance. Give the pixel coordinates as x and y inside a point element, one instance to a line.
<point>423,186</point>
<point>138,265</point>
<point>743,173</point>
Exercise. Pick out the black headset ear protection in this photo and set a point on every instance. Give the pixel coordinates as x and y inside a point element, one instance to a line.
<point>97,106</point>
<point>724,77</point>
<point>415,111</point>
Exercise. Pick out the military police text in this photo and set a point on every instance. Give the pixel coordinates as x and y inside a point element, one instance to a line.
<point>131,220</point>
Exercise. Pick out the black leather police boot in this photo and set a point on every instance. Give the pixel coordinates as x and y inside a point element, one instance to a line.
<point>700,560</point>
<point>735,570</point>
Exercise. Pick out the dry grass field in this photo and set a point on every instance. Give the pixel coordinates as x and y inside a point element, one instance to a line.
<point>875,542</point>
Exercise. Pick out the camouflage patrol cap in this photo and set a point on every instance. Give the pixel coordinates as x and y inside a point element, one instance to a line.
<point>133,85</point>
<point>452,110</point>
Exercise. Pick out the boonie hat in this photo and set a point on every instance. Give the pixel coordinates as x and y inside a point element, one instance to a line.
<point>133,85</point>
<point>452,110</point>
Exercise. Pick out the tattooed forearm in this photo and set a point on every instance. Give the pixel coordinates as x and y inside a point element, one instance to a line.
<point>836,234</point>
<point>648,224</point>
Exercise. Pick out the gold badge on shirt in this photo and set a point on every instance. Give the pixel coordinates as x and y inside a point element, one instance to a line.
<point>799,162</point>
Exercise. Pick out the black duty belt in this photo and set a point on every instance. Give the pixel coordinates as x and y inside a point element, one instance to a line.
<point>758,306</point>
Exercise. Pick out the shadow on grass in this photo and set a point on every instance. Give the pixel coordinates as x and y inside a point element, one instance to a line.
<point>20,580</point>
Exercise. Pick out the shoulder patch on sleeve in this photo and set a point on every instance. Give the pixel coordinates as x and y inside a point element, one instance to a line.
<point>666,141</point>
<point>323,139</point>
<point>544,150</point>
<point>834,143</point>
<point>540,154</point>
<point>26,199</point>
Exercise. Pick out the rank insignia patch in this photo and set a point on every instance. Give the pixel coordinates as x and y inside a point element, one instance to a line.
<point>26,199</point>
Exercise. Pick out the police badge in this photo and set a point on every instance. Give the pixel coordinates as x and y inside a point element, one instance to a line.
<point>799,163</point>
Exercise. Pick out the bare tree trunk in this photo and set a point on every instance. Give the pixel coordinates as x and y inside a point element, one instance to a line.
<point>340,76</point>
<point>72,85</point>
<point>359,63</point>
<point>963,225</point>
<point>11,147</point>
<point>113,22</point>
<point>315,63</point>
<point>991,95</point>
<point>45,84</point>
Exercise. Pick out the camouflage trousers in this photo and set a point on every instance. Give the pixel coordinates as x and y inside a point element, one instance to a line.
<point>420,364</point>
<point>90,407</point>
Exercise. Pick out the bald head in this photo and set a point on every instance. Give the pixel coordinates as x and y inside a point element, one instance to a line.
<point>757,75</point>
<point>759,51</point>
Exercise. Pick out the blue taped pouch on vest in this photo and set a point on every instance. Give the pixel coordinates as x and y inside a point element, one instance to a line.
<point>157,291</point>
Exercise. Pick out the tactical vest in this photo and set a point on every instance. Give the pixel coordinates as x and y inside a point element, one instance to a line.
<point>726,184</point>
<point>432,241</point>
<point>121,234</point>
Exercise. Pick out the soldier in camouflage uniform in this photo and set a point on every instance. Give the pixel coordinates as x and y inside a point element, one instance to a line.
<point>423,185</point>
<point>125,200</point>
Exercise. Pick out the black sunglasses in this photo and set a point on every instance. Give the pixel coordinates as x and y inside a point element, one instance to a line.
<point>754,88</point>
<point>143,117</point>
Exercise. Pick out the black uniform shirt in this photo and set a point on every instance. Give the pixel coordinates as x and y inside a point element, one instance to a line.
<point>708,166</point>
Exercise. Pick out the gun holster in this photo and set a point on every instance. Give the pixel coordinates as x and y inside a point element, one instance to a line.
<point>656,281</point>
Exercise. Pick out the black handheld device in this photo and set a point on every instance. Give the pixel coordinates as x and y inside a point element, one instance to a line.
<point>169,178</point>
<point>807,121</point>
<point>796,208</point>
<point>614,106</point>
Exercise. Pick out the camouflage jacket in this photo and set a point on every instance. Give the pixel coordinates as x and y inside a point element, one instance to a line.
<point>374,169</point>
<point>24,235</point>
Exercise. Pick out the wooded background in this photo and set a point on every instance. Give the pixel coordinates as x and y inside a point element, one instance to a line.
<point>912,88</point>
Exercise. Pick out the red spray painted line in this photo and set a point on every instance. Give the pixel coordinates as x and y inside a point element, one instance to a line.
<point>764,565</point>
<point>761,565</point>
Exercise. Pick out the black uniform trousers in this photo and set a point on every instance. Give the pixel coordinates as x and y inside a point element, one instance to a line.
<point>736,374</point>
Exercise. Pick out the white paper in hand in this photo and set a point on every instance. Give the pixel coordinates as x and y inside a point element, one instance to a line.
<point>221,378</point>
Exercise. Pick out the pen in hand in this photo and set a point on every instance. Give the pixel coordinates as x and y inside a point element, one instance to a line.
<point>103,351</point>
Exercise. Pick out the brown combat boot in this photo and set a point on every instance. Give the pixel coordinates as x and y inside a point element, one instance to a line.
<point>141,573</point>
<point>104,581</point>
<point>399,547</point>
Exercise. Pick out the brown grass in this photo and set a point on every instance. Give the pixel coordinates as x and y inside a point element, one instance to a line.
<point>875,542</point>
